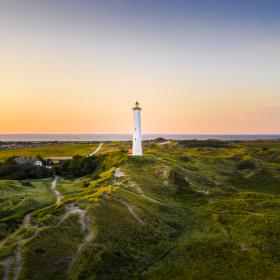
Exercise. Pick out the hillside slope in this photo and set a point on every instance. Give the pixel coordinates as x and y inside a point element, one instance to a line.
<point>186,210</point>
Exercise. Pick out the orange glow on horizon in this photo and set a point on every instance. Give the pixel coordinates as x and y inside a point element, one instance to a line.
<point>191,75</point>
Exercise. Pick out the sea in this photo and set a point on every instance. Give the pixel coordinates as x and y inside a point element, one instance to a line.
<point>126,137</point>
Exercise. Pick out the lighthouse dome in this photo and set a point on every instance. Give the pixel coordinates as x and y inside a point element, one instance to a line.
<point>137,106</point>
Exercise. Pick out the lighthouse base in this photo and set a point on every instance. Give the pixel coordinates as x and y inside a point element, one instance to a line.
<point>137,152</point>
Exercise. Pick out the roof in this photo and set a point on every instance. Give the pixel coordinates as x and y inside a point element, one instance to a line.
<point>26,160</point>
<point>137,106</point>
<point>60,158</point>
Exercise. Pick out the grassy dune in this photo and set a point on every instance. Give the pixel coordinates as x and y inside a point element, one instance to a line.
<point>179,212</point>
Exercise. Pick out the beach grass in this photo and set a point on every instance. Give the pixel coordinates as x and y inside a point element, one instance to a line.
<point>178,212</point>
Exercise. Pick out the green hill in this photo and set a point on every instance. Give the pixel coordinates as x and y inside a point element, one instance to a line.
<point>185,210</point>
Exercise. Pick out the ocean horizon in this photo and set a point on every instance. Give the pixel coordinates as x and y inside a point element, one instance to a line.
<point>127,137</point>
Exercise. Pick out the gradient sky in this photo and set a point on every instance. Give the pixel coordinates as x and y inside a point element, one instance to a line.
<point>200,66</point>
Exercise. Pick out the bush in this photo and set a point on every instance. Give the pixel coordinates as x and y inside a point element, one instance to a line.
<point>160,140</point>
<point>77,167</point>
<point>178,179</point>
<point>184,158</point>
<point>26,183</point>
<point>141,160</point>
<point>246,164</point>
<point>206,143</point>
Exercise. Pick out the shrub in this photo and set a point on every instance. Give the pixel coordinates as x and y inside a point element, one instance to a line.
<point>160,140</point>
<point>26,183</point>
<point>77,167</point>
<point>141,160</point>
<point>246,164</point>
<point>184,158</point>
<point>178,179</point>
<point>211,143</point>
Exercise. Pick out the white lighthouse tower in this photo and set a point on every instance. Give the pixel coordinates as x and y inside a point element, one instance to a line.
<point>137,137</point>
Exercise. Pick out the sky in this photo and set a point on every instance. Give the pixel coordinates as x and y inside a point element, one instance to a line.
<point>196,66</point>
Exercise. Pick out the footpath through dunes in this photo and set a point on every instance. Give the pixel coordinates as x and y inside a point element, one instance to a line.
<point>48,243</point>
<point>147,218</point>
<point>135,190</point>
<point>131,186</point>
<point>13,263</point>
<point>23,198</point>
<point>58,195</point>
<point>119,174</point>
<point>84,221</point>
<point>96,150</point>
<point>31,231</point>
<point>130,208</point>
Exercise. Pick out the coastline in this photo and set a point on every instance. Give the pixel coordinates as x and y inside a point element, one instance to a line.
<point>128,137</point>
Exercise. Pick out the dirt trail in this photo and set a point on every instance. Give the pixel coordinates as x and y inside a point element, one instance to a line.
<point>72,209</point>
<point>130,208</point>
<point>26,220</point>
<point>18,264</point>
<point>58,195</point>
<point>7,262</point>
<point>96,150</point>
<point>84,222</point>
<point>13,264</point>
<point>119,173</point>
<point>16,259</point>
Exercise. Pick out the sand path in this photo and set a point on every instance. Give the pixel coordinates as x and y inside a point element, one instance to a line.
<point>96,150</point>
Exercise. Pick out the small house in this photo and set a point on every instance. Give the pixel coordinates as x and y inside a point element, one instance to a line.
<point>28,160</point>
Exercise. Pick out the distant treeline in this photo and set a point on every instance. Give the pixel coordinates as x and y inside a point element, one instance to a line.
<point>77,167</point>
<point>9,169</point>
<point>211,143</point>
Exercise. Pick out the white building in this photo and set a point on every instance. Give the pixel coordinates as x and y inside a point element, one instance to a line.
<point>38,162</point>
<point>28,160</point>
<point>137,137</point>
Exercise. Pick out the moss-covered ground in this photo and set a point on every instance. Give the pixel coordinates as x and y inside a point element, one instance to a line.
<point>179,212</point>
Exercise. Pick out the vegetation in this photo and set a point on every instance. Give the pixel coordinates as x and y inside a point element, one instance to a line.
<point>206,143</point>
<point>246,164</point>
<point>18,199</point>
<point>77,167</point>
<point>11,170</point>
<point>185,210</point>
<point>53,150</point>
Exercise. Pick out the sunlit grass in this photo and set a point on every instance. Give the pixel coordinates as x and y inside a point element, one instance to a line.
<point>203,216</point>
<point>57,150</point>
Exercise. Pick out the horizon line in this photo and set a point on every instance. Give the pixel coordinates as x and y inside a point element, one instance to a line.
<point>229,134</point>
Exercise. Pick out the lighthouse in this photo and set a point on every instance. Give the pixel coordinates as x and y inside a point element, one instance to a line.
<point>137,138</point>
